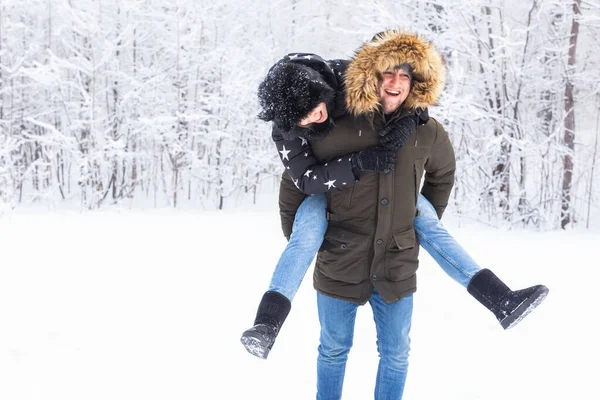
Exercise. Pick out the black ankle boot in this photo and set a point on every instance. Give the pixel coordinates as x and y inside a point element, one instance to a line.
<point>272,312</point>
<point>509,307</point>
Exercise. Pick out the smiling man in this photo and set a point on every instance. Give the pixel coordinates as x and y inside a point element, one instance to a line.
<point>370,252</point>
<point>395,86</point>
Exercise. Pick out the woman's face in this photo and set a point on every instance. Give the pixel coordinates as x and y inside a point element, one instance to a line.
<point>316,116</point>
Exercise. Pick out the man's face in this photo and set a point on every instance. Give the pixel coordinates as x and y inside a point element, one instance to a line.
<point>316,116</point>
<point>394,89</point>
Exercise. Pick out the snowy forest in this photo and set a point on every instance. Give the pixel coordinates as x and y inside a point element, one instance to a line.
<point>153,102</point>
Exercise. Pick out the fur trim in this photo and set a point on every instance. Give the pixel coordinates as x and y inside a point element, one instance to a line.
<point>388,50</point>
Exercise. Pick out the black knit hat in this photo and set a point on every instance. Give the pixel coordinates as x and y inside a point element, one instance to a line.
<point>290,91</point>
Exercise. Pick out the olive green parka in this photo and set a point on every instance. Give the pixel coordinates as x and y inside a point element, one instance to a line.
<point>370,241</point>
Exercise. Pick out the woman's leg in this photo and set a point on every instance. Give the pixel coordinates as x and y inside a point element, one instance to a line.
<point>509,307</point>
<point>308,232</point>
<point>441,246</point>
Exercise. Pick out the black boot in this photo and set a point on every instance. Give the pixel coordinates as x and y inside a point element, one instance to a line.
<point>272,311</point>
<point>509,307</point>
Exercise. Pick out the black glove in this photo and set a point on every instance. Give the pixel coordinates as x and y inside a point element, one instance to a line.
<point>376,159</point>
<point>395,134</point>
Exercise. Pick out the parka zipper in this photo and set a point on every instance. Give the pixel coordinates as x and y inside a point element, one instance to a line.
<point>416,182</point>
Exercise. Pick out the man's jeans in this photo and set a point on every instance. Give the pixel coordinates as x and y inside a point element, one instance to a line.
<point>392,322</point>
<point>310,226</point>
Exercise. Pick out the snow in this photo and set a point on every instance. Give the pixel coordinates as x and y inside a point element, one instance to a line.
<point>125,304</point>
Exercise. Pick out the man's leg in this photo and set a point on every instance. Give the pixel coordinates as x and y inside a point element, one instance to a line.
<point>337,333</point>
<point>441,246</point>
<point>308,231</point>
<point>393,323</point>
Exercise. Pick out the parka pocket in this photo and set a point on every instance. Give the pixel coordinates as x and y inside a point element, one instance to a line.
<point>343,255</point>
<point>401,255</point>
<point>405,240</point>
<point>341,197</point>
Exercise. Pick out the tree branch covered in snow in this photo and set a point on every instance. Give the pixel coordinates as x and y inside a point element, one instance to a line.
<point>127,101</point>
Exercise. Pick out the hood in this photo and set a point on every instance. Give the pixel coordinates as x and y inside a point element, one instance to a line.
<point>386,51</point>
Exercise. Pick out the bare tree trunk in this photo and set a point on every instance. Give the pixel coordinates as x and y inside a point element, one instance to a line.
<point>293,24</point>
<point>219,163</point>
<point>176,184</point>
<point>569,133</point>
<point>501,171</point>
<point>594,156</point>
<point>133,148</point>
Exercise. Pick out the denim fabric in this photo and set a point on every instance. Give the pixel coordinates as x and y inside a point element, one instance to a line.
<point>308,231</point>
<point>392,322</point>
<point>442,247</point>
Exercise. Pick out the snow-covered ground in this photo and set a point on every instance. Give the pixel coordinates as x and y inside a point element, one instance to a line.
<point>125,305</point>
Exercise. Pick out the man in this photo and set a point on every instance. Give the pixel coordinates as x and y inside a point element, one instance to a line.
<point>370,250</point>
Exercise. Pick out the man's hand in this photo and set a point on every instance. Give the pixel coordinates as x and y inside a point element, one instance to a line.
<point>376,159</point>
<point>395,135</point>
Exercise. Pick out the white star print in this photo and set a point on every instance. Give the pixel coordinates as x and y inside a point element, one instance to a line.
<point>305,154</point>
<point>340,160</point>
<point>288,167</point>
<point>307,173</point>
<point>326,164</point>
<point>343,183</point>
<point>284,153</point>
<point>330,184</point>
<point>293,56</point>
<point>296,183</point>
<point>308,57</point>
<point>304,141</point>
<point>315,178</point>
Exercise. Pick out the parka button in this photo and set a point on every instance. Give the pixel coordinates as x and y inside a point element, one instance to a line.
<point>379,241</point>
<point>343,246</point>
<point>384,202</point>
<point>374,277</point>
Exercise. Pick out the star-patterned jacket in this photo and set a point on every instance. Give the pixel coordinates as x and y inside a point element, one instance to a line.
<point>308,174</point>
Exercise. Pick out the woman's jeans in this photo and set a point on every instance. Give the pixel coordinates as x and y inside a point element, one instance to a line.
<point>307,236</point>
<point>310,226</point>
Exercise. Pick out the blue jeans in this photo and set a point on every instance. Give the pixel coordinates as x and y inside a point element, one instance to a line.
<point>392,322</point>
<point>310,226</point>
<point>307,236</point>
<point>337,316</point>
<point>441,246</point>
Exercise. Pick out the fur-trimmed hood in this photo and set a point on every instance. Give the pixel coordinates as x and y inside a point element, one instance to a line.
<point>386,51</point>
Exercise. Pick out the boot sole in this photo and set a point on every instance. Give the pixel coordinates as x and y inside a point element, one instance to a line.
<point>525,308</point>
<point>255,345</point>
